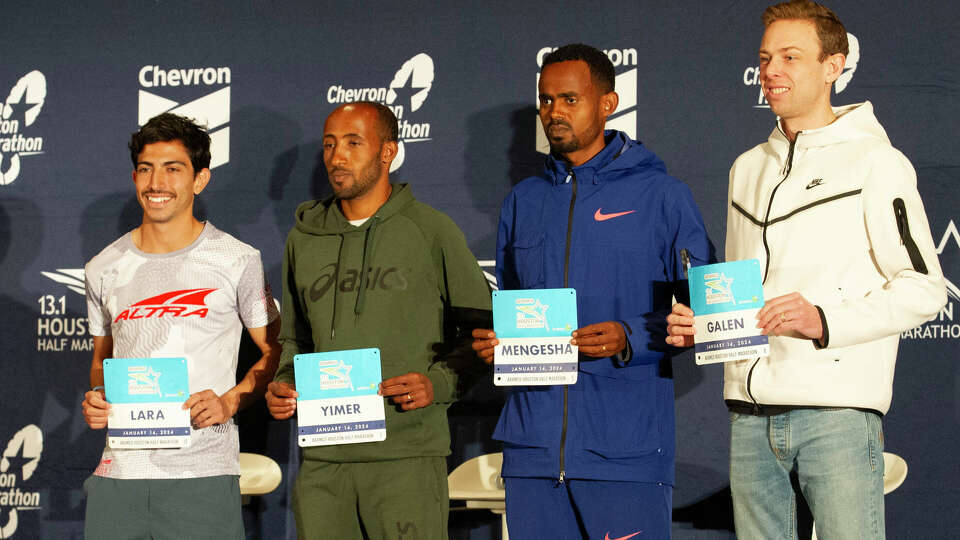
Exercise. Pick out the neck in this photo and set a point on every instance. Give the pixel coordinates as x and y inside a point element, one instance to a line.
<point>822,116</point>
<point>152,237</point>
<point>585,154</point>
<point>367,204</point>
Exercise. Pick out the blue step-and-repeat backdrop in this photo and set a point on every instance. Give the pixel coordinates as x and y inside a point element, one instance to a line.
<point>76,78</point>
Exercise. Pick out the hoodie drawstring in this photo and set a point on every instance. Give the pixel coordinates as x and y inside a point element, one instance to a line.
<point>367,255</point>
<point>336,290</point>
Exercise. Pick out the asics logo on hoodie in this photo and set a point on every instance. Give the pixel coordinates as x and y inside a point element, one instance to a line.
<point>383,278</point>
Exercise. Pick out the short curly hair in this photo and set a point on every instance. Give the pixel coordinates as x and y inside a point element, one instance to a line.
<point>167,127</point>
<point>601,68</point>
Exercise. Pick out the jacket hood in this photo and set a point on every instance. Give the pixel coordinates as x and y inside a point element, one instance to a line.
<point>620,155</point>
<point>324,217</point>
<point>853,122</point>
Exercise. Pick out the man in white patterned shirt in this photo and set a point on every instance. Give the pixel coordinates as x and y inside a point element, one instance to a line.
<point>176,287</point>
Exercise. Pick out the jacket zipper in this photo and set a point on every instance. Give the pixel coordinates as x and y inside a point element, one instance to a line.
<point>766,249</point>
<point>566,281</point>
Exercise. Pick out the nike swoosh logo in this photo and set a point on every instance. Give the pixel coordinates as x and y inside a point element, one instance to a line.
<point>600,216</point>
<point>814,183</point>
<point>607,536</point>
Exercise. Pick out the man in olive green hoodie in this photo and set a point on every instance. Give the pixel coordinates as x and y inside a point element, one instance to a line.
<point>372,267</point>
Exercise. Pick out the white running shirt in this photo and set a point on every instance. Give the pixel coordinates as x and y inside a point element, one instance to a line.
<point>189,303</point>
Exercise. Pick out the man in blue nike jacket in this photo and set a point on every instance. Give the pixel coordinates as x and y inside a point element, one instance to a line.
<point>595,459</point>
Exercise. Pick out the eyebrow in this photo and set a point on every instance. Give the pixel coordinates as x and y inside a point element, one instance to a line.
<point>357,135</point>
<point>561,94</point>
<point>172,162</point>
<point>781,49</point>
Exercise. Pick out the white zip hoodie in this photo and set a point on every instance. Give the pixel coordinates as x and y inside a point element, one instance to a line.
<point>844,226</point>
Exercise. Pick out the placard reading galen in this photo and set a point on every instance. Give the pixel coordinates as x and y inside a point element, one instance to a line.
<point>533,327</point>
<point>725,299</point>
<point>146,398</point>
<point>337,399</point>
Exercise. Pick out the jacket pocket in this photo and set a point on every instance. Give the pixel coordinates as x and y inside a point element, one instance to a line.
<point>623,416</point>
<point>528,263</point>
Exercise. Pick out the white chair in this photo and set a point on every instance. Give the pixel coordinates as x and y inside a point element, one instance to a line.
<point>894,472</point>
<point>477,482</point>
<point>259,475</point>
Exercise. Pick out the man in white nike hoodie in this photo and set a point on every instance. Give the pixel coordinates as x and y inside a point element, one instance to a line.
<point>831,211</point>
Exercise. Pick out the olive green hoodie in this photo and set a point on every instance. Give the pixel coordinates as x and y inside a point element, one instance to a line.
<point>422,291</point>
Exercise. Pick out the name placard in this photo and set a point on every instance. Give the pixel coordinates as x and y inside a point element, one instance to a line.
<point>146,398</point>
<point>725,299</point>
<point>337,399</point>
<point>534,327</point>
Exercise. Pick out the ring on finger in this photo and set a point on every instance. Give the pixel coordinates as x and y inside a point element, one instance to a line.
<point>603,348</point>
<point>409,398</point>
<point>783,316</point>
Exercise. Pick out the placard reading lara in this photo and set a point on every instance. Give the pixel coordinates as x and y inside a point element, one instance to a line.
<point>337,399</point>
<point>533,327</point>
<point>146,398</point>
<point>725,299</point>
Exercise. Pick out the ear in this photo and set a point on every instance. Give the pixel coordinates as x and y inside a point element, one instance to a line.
<point>388,151</point>
<point>200,181</point>
<point>834,66</point>
<point>608,103</point>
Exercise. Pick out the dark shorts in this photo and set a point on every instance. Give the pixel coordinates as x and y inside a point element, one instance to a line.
<point>174,509</point>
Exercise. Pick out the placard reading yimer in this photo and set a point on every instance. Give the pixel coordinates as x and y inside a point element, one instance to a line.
<point>725,299</point>
<point>337,399</point>
<point>533,327</point>
<point>146,398</point>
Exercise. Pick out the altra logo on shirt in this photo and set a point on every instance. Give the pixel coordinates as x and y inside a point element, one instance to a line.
<point>600,216</point>
<point>184,303</point>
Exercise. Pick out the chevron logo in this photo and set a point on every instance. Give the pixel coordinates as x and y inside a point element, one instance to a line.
<point>211,110</point>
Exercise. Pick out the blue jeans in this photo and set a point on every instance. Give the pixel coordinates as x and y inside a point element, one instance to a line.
<point>838,457</point>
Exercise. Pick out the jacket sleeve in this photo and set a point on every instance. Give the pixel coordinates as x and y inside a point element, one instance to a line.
<point>295,334</point>
<point>904,253</point>
<point>681,228</point>
<point>466,300</point>
<point>506,272</point>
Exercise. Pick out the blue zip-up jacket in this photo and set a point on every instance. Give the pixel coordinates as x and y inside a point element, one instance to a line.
<point>612,229</point>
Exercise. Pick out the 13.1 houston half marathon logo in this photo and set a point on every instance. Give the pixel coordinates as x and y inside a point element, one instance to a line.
<point>17,113</point>
<point>406,93</point>
<point>625,117</point>
<point>179,89</point>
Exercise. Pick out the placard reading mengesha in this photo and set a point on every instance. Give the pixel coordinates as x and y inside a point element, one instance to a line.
<point>533,328</point>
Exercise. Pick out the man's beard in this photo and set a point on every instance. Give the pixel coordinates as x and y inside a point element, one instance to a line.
<point>563,146</point>
<point>361,184</point>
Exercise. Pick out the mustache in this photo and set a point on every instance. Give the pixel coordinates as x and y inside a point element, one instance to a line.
<point>336,170</point>
<point>558,123</point>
